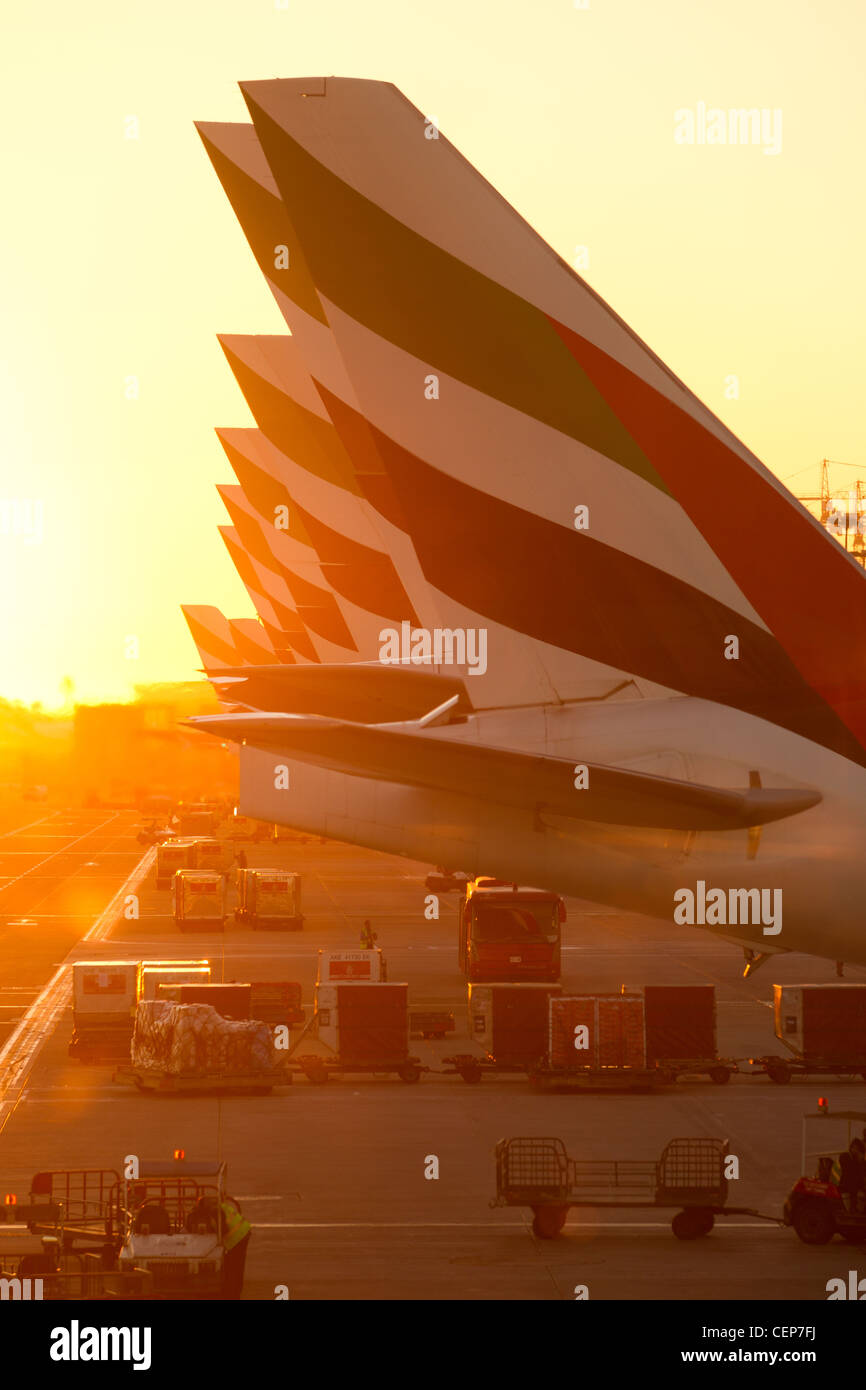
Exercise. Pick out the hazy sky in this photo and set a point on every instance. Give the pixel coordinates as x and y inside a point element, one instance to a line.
<point>123,258</point>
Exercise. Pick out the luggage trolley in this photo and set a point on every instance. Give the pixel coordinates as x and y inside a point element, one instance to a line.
<point>690,1174</point>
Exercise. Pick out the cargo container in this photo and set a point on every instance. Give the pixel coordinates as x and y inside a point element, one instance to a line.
<point>152,976</point>
<point>364,1023</point>
<point>597,1031</point>
<point>217,855</point>
<point>104,997</point>
<point>511,1022</point>
<point>269,899</point>
<point>171,856</point>
<point>276,1003</point>
<point>350,965</point>
<point>680,1022</point>
<point>230,1001</point>
<point>822,1022</point>
<point>199,900</point>
<point>507,932</point>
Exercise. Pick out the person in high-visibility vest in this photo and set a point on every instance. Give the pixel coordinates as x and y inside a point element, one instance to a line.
<point>236,1232</point>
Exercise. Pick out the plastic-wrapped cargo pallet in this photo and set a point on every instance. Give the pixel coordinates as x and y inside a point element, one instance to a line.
<point>180,1039</point>
<point>597,1030</point>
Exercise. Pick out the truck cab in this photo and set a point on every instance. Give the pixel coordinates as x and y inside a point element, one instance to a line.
<point>509,932</point>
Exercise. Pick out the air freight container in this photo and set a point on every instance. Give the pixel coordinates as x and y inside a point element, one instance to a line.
<point>217,855</point>
<point>364,1023</point>
<point>597,1030</point>
<point>152,976</point>
<point>104,997</point>
<point>823,1022</point>
<point>511,1021</point>
<point>350,965</point>
<point>173,855</point>
<point>680,1022</point>
<point>199,900</point>
<point>230,1001</point>
<point>269,899</point>
<point>276,1002</point>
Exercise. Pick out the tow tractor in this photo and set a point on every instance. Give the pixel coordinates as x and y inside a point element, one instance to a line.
<point>814,1206</point>
<point>161,1234</point>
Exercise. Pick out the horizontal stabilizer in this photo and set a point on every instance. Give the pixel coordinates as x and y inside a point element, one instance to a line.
<point>363,693</point>
<point>611,795</point>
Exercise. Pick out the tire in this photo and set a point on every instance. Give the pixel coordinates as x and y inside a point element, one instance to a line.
<point>315,1072</point>
<point>689,1224</point>
<point>471,1075</point>
<point>814,1222</point>
<point>409,1073</point>
<point>720,1076</point>
<point>779,1073</point>
<point>547,1222</point>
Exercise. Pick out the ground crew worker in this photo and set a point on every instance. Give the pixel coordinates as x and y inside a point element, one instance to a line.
<point>368,936</point>
<point>236,1238</point>
<point>851,1170</point>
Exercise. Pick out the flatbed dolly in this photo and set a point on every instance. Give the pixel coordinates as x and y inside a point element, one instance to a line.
<point>156,1082</point>
<point>782,1070</point>
<point>559,1080</point>
<point>718,1069</point>
<point>690,1176</point>
<point>319,1070</point>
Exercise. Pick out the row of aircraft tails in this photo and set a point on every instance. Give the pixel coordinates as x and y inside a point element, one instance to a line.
<point>525,606</point>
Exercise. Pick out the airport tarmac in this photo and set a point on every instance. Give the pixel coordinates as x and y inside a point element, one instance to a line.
<point>332,1177</point>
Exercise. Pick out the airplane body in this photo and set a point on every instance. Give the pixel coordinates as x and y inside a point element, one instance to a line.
<point>670,717</point>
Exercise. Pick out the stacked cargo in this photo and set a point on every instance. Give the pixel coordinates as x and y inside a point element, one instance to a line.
<point>364,1023</point>
<point>822,1022</point>
<point>194,1040</point>
<point>104,997</point>
<point>597,1031</point>
<point>510,1021</point>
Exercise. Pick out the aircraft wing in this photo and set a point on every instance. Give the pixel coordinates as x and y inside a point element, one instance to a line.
<point>408,755</point>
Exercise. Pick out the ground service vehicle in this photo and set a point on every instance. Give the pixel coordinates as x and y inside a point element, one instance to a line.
<point>174,1227</point>
<point>509,933</point>
<point>690,1174</point>
<point>197,818</point>
<point>199,900</point>
<point>269,900</point>
<point>162,1232</point>
<point>815,1206</point>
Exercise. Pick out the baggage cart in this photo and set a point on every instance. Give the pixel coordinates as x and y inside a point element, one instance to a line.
<point>690,1176</point>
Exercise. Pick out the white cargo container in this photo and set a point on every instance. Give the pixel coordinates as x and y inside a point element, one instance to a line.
<point>335,967</point>
<point>269,899</point>
<point>199,900</point>
<point>173,855</point>
<point>217,855</point>
<point>178,973</point>
<point>104,997</point>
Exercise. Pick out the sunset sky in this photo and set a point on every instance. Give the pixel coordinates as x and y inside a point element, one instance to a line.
<point>122,257</point>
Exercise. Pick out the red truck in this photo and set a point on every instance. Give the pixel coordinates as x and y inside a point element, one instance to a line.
<point>508,932</point>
